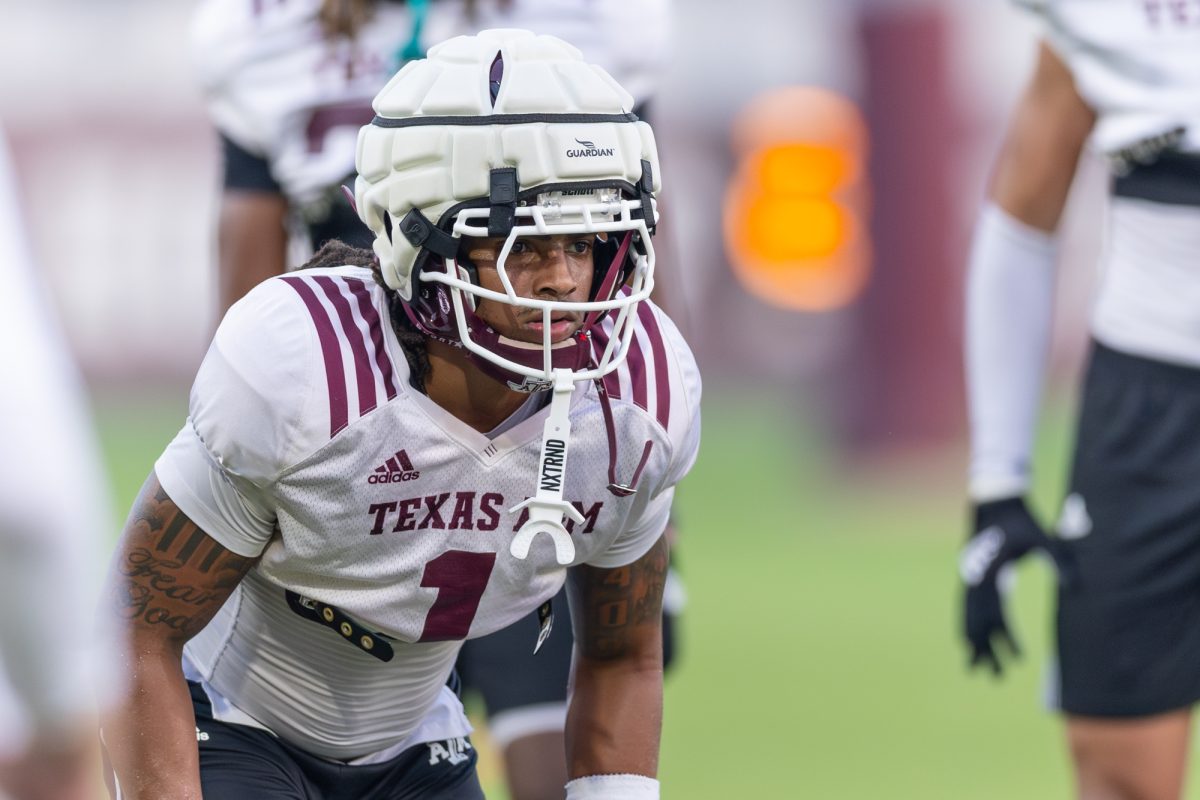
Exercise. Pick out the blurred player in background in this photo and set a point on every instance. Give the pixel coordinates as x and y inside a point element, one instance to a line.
<point>53,518</point>
<point>350,498</point>
<point>288,86</point>
<point>1126,75</point>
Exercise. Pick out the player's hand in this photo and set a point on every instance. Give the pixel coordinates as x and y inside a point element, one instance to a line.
<point>1004,532</point>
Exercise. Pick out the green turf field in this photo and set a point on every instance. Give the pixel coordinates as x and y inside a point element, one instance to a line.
<point>820,657</point>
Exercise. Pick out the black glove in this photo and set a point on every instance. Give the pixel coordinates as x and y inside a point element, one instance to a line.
<point>1004,533</point>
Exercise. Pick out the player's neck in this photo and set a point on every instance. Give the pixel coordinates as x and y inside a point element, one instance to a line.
<point>458,386</point>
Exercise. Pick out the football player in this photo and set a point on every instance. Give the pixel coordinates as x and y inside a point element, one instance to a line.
<point>389,453</point>
<point>50,535</point>
<point>1125,75</point>
<point>288,86</point>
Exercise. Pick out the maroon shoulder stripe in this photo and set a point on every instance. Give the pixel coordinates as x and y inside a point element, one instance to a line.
<point>369,314</point>
<point>364,377</point>
<point>636,361</point>
<point>662,380</point>
<point>612,382</point>
<point>335,376</point>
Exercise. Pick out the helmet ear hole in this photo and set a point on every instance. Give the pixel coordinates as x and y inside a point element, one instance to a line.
<point>604,252</point>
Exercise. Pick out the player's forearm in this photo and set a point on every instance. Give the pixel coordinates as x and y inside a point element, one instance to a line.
<point>614,720</point>
<point>151,741</point>
<point>161,594</point>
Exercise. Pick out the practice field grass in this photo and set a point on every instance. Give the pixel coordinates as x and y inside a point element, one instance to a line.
<point>820,656</point>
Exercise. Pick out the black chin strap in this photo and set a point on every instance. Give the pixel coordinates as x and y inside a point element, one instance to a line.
<point>646,194</point>
<point>503,198</point>
<point>420,232</point>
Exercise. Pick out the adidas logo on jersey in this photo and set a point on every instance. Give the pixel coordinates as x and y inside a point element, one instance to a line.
<point>396,469</point>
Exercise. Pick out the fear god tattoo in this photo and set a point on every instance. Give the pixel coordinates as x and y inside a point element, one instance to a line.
<point>168,572</point>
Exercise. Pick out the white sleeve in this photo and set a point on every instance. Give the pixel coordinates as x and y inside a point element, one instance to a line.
<point>242,520</point>
<point>650,520</point>
<point>1058,29</point>
<point>246,420</point>
<point>54,511</point>
<point>1009,307</point>
<point>652,503</point>
<point>1040,10</point>
<point>1048,24</point>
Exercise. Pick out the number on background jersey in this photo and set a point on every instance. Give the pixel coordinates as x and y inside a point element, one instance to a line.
<point>460,578</point>
<point>1178,13</point>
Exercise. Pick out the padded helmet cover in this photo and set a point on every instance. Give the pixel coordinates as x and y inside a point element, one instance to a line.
<point>437,135</point>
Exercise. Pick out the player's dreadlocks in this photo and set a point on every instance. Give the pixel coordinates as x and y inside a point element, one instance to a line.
<point>335,253</point>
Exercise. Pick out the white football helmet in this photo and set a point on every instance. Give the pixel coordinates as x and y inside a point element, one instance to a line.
<point>509,134</point>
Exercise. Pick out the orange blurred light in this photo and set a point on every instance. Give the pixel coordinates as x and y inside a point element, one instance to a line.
<point>783,229</point>
<point>802,169</point>
<point>795,209</point>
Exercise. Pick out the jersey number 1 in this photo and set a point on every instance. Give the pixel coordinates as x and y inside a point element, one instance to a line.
<point>460,578</point>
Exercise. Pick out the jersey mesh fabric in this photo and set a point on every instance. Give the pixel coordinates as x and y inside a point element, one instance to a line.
<point>304,682</point>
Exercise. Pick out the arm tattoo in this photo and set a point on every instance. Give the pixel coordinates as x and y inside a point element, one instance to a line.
<point>615,608</point>
<point>167,572</point>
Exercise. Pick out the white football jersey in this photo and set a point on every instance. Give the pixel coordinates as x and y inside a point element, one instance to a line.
<point>375,507</point>
<point>281,90</point>
<point>630,39</point>
<point>1136,62</point>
